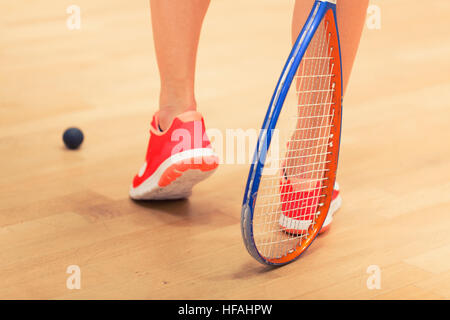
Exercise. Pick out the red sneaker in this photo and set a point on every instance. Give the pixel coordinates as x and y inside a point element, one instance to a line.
<point>176,159</point>
<point>298,207</point>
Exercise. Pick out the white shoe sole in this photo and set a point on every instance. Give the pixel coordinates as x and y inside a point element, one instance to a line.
<point>335,205</point>
<point>181,186</point>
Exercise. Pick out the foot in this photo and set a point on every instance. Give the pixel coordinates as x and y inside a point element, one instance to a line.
<point>177,158</point>
<point>298,207</point>
<point>335,205</point>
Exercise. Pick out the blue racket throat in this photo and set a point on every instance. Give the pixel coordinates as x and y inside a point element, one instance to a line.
<point>284,208</point>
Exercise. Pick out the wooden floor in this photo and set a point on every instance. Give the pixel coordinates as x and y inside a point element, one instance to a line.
<point>60,208</point>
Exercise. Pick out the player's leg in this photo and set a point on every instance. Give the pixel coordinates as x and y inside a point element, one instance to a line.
<point>179,153</point>
<point>351,17</point>
<point>176,31</point>
<point>302,153</point>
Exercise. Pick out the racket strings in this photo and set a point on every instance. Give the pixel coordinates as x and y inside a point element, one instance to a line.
<point>301,163</point>
<point>275,230</point>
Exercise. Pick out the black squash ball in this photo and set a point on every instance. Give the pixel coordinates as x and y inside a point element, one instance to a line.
<point>73,137</point>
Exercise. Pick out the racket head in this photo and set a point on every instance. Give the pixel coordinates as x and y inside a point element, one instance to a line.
<point>272,201</point>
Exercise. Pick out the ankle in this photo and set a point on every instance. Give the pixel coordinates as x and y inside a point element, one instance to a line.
<point>175,98</point>
<point>168,113</point>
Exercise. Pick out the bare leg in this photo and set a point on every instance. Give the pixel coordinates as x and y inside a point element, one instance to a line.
<point>305,155</point>
<point>176,31</point>
<point>351,16</point>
